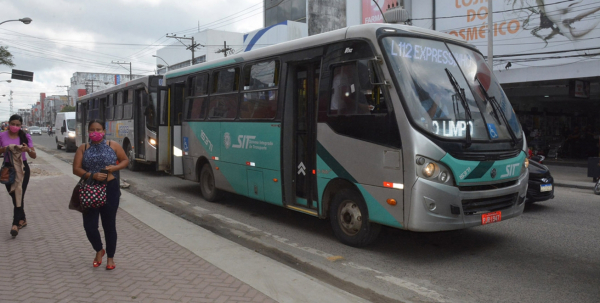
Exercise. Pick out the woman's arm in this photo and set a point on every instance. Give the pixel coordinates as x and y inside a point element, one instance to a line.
<point>121,156</point>
<point>77,169</point>
<point>30,150</point>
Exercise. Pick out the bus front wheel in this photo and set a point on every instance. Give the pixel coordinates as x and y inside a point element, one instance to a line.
<point>207,184</point>
<point>350,219</point>
<point>133,165</point>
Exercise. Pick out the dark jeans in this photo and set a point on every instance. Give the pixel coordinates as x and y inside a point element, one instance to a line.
<point>108,212</point>
<point>19,212</point>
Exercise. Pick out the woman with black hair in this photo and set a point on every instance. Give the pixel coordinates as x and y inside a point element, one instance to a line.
<point>23,143</point>
<point>101,160</point>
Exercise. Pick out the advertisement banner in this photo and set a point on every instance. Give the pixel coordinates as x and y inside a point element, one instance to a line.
<point>370,12</point>
<point>570,29</point>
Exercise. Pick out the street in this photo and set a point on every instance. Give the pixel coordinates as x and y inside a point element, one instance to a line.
<point>549,254</point>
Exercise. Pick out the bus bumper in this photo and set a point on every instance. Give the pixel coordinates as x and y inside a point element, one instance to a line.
<point>439,207</point>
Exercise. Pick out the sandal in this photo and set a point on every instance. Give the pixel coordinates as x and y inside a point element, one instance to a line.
<point>21,225</point>
<point>14,232</point>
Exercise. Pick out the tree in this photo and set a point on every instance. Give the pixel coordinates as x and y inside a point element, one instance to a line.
<point>68,108</point>
<point>6,56</point>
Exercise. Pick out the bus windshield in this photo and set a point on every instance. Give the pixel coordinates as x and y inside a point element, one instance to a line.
<point>441,99</point>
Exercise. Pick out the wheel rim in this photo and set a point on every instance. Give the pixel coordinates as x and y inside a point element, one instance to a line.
<point>208,182</point>
<point>350,217</point>
<point>130,156</point>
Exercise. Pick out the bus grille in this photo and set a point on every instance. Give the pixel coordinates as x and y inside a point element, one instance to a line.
<point>473,206</point>
<point>487,186</point>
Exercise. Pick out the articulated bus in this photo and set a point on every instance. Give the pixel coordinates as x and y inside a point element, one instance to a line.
<point>370,125</point>
<point>131,112</point>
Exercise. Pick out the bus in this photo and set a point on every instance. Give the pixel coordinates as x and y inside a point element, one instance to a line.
<point>131,112</point>
<point>367,126</point>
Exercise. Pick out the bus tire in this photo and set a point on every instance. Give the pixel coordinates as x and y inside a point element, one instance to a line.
<point>207,184</point>
<point>349,219</point>
<point>133,165</point>
<point>57,144</point>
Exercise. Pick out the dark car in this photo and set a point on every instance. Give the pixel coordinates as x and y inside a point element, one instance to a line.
<point>541,183</point>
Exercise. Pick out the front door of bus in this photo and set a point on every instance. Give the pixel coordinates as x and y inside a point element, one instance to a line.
<point>176,104</point>
<point>303,83</point>
<point>140,103</point>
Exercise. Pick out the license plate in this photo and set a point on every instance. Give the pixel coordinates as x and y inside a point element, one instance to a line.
<point>546,187</point>
<point>491,217</point>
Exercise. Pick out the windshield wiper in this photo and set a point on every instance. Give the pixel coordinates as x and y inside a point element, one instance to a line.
<point>465,105</point>
<point>496,108</point>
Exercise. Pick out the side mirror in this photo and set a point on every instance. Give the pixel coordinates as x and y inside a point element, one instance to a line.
<point>145,100</point>
<point>63,130</point>
<point>369,67</point>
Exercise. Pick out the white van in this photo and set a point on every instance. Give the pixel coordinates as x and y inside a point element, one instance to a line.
<point>64,128</point>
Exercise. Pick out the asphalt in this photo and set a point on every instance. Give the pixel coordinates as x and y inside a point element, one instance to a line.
<point>570,173</point>
<point>160,257</point>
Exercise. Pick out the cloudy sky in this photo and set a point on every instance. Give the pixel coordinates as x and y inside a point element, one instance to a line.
<point>68,36</point>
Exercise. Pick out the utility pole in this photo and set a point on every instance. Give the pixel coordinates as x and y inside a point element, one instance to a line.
<point>119,62</point>
<point>490,36</point>
<point>225,49</point>
<point>11,103</point>
<point>191,47</point>
<point>92,80</point>
<point>68,98</point>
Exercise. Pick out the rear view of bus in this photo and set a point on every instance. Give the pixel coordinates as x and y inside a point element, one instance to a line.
<point>464,160</point>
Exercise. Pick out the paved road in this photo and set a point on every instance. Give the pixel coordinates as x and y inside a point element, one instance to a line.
<point>549,254</point>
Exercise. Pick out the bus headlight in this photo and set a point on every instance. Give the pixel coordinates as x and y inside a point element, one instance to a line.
<point>71,134</point>
<point>429,169</point>
<point>526,163</point>
<point>152,141</point>
<point>433,170</point>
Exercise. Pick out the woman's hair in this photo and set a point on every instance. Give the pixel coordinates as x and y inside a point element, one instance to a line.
<point>22,135</point>
<point>96,121</point>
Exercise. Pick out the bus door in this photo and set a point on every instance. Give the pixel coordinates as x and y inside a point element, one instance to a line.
<point>163,162</point>
<point>300,182</point>
<point>176,119</point>
<point>84,121</point>
<point>139,123</point>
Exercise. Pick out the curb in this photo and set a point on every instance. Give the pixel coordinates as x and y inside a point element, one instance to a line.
<point>590,187</point>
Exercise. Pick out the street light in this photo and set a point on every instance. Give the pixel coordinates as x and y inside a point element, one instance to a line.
<point>160,65</point>
<point>25,20</point>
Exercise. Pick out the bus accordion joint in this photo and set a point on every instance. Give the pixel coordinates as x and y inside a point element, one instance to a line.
<point>393,185</point>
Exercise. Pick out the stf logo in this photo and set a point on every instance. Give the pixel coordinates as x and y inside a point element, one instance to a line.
<point>243,141</point>
<point>511,170</point>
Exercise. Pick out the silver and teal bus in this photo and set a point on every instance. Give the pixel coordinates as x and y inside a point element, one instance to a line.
<point>368,125</point>
<point>131,112</point>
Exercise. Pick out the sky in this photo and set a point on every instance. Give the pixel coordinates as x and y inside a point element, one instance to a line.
<point>68,36</point>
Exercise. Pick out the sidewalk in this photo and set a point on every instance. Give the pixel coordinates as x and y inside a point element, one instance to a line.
<point>160,257</point>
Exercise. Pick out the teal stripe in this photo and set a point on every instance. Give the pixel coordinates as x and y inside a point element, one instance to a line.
<point>204,66</point>
<point>337,168</point>
<point>480,170</point>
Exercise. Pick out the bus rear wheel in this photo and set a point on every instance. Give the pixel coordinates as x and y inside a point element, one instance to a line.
<point>349,219</point>
<point>207,184</point>
<point>133,165</point>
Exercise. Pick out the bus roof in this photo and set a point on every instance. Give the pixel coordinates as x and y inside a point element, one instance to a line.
<point>363,30</point>
<point>133,82</point>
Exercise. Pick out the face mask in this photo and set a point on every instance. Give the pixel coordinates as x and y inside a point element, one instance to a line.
<point>96,136</point>
<point>14,129</point>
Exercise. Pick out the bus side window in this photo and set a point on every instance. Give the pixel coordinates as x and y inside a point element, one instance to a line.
<point>128,105</point>
<point>119,106</point>
<point>346,99</point>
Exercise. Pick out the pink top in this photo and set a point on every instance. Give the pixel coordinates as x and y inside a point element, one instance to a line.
<point>5,140</point>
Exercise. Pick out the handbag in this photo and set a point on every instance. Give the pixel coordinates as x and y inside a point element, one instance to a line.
<point>92,194</point>
<point>7,172</point>
<point>75,202</point>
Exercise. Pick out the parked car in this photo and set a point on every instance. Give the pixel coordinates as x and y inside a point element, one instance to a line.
<point>35,130</point>
<point>541,183</point>
<point>44,129</point>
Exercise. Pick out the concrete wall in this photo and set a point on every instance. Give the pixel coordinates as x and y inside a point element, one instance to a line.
<point>326,15</point>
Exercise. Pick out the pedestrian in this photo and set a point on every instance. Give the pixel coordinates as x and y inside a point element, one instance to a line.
<point>49,131</point>
<point>98,159</point>
<point>19,143</point>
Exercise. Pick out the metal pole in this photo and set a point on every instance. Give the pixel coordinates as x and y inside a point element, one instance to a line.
<point>490,36</point>
<point>130,75</point>
<point>193,46</point>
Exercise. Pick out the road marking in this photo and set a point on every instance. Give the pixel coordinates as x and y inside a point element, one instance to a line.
<point>200,209</point>
<point>423,291</point>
